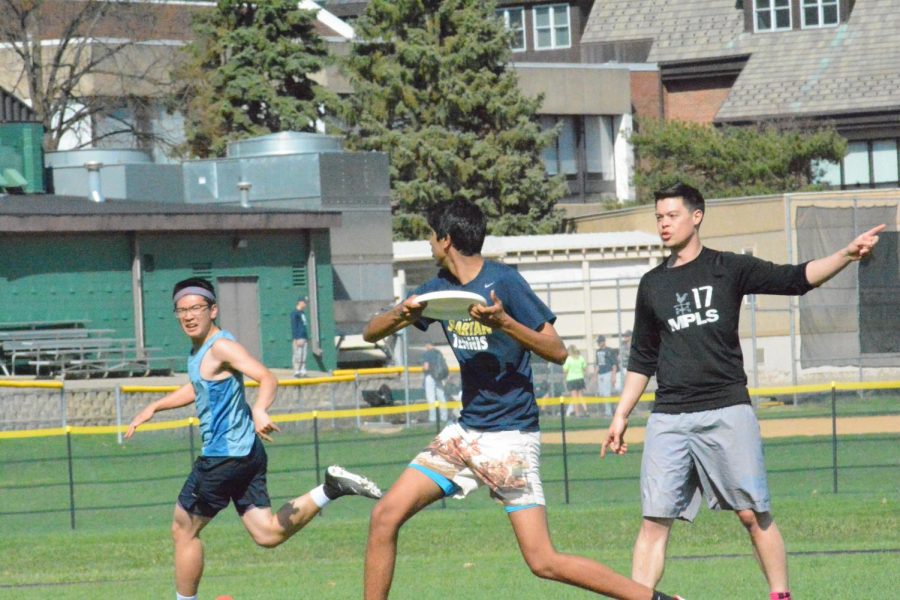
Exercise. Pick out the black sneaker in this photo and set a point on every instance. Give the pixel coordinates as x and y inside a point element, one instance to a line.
<point>341,482</point>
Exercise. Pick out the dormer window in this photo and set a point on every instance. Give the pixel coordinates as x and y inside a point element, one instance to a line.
<point>764,16</point>
<point>514,21</point>
<point>820,13</point>
<point>551,27</point>
<point>772,15</point>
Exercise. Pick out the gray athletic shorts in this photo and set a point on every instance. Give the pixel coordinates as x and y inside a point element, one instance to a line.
<point>716,452</point>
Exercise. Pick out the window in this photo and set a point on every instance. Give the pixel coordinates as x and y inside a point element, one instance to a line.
<point>598,146</point>
<point>872,163</point>
<point>772,15</point>
<point>856,164</point>
<point>827,172</point>
<point>562,155</point>
<point>550,154</point>
<point>551,27</point>
<point>514,21</point>
<point>819,13</point>
<point>884,162</point>
<point>590,136</point>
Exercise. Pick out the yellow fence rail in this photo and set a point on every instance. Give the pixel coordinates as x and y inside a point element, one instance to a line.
<point>349,376</point>
<point>318,417</point>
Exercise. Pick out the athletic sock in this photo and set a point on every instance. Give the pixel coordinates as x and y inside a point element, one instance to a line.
<point>319,497</point>
<point>780,596</point>
<point>661,596</point>
<point>180,597</point>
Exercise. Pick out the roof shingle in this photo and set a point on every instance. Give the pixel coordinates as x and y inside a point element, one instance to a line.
<point>809,72</point>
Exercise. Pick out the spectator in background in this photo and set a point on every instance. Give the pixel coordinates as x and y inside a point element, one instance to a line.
<point>574,368</point>
<point>300,335</point>
<point>436,372</point>
<point>607,365</point>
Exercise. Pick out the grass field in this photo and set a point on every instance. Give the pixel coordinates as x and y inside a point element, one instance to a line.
<point>841,545</point>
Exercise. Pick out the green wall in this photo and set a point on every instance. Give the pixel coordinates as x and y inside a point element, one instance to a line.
<point>62,277</point>
<point>277,260</point>
<point>88,277</point>
<point>321,244</point>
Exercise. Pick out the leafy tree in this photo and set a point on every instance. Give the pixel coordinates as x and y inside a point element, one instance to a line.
<point>731,161</point>
<point>247,74</point>
<point>432,90</point>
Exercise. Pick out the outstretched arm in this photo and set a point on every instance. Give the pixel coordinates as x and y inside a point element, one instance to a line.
<point>388,323</point>
<point>180,397</point>
<point>545,342</point>
<point>821,270</point>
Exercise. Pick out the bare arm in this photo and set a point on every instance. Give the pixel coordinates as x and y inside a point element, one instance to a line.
<point>236,357</point>
<point>388,323</point>
<point>632,389</point>
<point>180,397</point>
<point>545,342</point>
<point>821,270</point>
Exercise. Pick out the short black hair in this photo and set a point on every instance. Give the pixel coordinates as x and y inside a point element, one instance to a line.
<point>196,282</point>
<point>693,199</point>
<point>463,221</point>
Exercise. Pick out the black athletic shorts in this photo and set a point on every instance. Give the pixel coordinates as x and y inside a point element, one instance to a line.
<point>575,384</point>
<point>217,479</point>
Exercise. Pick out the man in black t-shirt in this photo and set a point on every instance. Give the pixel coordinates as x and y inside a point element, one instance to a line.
<point>702,435</point>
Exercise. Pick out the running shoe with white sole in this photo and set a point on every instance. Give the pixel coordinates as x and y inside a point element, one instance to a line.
<point>341,482</point>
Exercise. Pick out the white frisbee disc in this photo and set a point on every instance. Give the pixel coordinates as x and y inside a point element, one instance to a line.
<point>449,304</point>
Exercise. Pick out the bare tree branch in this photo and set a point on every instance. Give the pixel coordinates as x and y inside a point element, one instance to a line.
<point>81,60</point>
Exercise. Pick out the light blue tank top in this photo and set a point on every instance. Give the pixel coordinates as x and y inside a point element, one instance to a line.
<point>226,423</point>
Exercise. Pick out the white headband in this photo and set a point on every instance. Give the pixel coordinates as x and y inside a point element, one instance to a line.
<point>194,291</point>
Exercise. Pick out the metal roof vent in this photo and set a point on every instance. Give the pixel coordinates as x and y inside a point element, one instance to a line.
<point>285,142</point>
<point>95,193</point>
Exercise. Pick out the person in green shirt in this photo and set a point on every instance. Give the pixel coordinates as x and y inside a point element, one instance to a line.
<point>574,368</point>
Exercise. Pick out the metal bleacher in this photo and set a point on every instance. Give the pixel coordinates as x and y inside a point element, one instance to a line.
<point>73,350</point>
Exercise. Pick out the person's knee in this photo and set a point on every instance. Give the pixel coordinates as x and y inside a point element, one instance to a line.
<point>543,563</point>
<point>655,530</point>
<point>266,539</point>
<point>181,533</point>
<point>753,521</point>
<point>386,518</point>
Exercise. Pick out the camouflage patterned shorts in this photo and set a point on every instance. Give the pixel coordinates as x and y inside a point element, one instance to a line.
<point>508,462</point>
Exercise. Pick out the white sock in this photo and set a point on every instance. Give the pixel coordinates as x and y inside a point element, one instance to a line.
<point>318,496</point>
<point>180,597</point>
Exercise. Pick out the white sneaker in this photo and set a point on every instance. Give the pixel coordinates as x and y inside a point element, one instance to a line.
<point>341,482</point>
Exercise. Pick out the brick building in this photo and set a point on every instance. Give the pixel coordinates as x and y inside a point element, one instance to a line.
<point>730,62</point>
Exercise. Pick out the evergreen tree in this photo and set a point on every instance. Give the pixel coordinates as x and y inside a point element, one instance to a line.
<point>731,161</point>
<point>432,90</point>
<point>247,74</point>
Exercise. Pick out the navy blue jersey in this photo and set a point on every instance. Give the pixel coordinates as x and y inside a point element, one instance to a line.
<point>298,325</point>
<point>497,384</point>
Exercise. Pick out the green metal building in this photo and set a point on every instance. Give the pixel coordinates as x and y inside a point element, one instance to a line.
<point>112,264</point>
